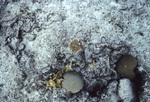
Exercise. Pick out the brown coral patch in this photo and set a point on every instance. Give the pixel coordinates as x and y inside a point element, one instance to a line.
<point>75,45</point>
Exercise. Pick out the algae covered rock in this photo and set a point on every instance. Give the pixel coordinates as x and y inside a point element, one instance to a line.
<point>72,82</point>
<point>126,66</point>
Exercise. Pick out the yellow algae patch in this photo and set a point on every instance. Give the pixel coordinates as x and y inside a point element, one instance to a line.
<point>105,74</point>
<point>92,64</point>
<point>51,83</point>
<point>68,68</point>
<point>56,80</point>
<point>75,45</point>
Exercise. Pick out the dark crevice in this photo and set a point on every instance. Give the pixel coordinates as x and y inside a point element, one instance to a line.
<point>96,89</point>
<point>20,38</point>
<point>138,82</point>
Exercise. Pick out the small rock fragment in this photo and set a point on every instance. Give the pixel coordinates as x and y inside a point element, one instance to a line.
<point>126,65</point>
<point>72,82</point>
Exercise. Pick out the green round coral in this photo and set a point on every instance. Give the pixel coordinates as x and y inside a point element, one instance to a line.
<point>126,66</point>
<point>73,82</point>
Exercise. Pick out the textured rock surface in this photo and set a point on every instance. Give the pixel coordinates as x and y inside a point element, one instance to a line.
<point>34,40</point>
<point>72,82</point>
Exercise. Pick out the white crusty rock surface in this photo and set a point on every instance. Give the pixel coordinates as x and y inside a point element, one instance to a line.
<point>125,90</point>
<point>34,39</point>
